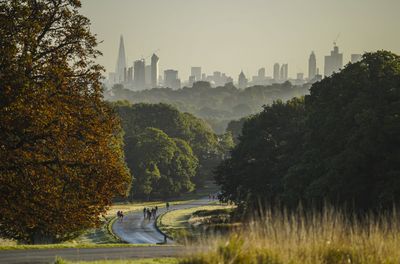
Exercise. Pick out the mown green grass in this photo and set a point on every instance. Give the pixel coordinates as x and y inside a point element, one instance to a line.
<point>178,223</point>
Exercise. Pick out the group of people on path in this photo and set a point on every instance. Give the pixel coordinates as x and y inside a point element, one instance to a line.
<point>212,197</point>
<point>150,213</point>
<point>120,215</point>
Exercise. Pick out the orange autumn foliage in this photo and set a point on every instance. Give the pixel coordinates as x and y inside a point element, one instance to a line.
<point>61,157</point>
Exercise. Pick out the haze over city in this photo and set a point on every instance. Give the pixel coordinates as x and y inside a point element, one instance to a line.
<point>231,36</point>
<point>200,131</point>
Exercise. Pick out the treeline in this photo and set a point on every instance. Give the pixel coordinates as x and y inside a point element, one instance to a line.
<point>339,145</point>
<point>218,105</point>
<point>168,152</point>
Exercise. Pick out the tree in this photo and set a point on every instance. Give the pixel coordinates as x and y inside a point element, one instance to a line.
<point>61,158</point>
<point>353,135</point>
<point>201,139</point>
<point>163,166</point>
<point>339,145</point>
<point>269,143</point>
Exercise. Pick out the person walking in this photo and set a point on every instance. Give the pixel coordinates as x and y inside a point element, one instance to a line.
<point>167,205</point>
<point>144,212</point>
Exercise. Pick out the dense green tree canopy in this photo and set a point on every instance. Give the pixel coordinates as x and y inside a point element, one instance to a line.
<point>190,134</point>
<point>342,145</point>
<point>163,166</point>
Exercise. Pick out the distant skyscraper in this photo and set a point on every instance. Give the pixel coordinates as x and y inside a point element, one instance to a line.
<point>171,79</point>
<point>130,75</point>
<point>147,75</point>
<point>192,80</point>
<point>242,80</point>
<point>333,62</point>
<point>284,72</point>
<point>276,72</point>
<point>355,58</point>
<point>121,62</point>
<point>196,72</point>
<point>154,70</point>
<point>312,66</point>
<point>139,74</point>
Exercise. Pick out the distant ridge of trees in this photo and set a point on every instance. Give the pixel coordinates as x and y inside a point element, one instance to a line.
<point>340,144</point>
<point>217,105</point>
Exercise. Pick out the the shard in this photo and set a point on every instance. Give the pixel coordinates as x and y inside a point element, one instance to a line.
<point>121,62</point>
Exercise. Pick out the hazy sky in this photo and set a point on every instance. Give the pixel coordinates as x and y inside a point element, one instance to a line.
<point>230,35</point>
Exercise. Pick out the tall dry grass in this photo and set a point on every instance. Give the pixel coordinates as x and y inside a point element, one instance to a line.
<point>329,237</point>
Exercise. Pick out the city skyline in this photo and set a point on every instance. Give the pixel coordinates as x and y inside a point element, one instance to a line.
<point>241,34</point>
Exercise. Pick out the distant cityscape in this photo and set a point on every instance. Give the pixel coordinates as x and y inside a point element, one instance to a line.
<point>140,76</point>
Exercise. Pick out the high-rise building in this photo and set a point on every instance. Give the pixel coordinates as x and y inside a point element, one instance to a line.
<point>355,58</point>
<point>284,73</point>
<point>312,66</point>
<point>196,72</point>
<point>147,75</point>
<point>276,72</point>
<point>121,62</point>
<point>171,79</point>
<point>242,81</point>
<point>139,74</point>
<point>192,80</point>
<point>130,75</point>
<point>154,71</point>
<point>333,62</point>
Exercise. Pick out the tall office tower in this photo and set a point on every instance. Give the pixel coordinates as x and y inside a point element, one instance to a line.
<point>139,74</point>
<point>154,70</point>
<point>171,79</point>
<point>147,75</point>
<point>276,72</point>
<point>355,58</point>
<point>284,72</point>
<point>196,72</point>
<point>333,62</point>
<point>242,80</point>
<point>121,62</point>
<point>192,80</point>
<point>130,75</point>
<point>312,66</point>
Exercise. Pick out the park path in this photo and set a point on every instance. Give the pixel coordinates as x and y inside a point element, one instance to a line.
<point>134,229</point>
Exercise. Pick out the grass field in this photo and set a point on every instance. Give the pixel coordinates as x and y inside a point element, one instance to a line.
<point>312,238</point>
<point>180,222</point>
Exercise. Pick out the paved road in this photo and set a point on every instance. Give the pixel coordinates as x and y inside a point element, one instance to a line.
<point>39,256</point>
<point>135,229</point>
<point>132,230</point>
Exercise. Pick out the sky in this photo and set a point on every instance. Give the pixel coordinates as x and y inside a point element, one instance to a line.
<point>234,35</point>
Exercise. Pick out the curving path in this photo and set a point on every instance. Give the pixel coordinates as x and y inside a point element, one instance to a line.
<point>134,229</point>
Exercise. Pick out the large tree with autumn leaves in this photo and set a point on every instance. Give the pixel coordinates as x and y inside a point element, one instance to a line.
<point>61,159</point>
